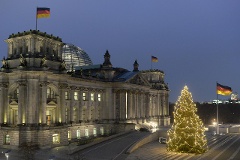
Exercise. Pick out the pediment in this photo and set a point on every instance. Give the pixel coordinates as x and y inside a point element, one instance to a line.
<point>51,103</point>
<point>139,80</point>
<point>14,103</point>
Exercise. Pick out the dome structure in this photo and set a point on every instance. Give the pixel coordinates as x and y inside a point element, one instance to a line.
<point>74,56</point>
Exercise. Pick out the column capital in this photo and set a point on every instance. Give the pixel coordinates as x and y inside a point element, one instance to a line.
<point>4,84</point>
<point>62,85</point>
<point>43,83</point>
<point>22,82</point>
<point>73,88</point>
<point>83,89</point>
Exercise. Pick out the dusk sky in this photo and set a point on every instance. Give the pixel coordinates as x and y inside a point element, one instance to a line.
<point>197,42</point>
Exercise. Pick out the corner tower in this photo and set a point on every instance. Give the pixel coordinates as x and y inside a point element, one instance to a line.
<point>30,48</point>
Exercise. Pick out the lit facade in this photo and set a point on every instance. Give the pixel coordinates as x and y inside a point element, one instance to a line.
<point>41,102</point>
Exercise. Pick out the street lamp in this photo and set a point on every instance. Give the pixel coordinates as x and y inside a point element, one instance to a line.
<point>214,123</point>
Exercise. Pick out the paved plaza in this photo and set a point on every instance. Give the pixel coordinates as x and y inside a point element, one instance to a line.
<point>221,147</point>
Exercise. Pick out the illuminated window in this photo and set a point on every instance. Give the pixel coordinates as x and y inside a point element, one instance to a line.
<point>102,131</point>
<point>84,96</point>
<point>69,135</point>
<point>95,132</point>
<point>66,95</point>
<point>7,139</point>
<point>78,134</point>
<point>92,96</point>
<point>56,138</point>
<point>99,97</point>
<point>86,133</point>
<point>75,95</point>
<point>50,93</point>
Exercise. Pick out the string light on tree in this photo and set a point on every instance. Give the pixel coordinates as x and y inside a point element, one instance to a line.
<point>187,132</point>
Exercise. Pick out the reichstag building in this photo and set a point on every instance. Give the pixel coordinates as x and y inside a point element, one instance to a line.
<point>49,96</point>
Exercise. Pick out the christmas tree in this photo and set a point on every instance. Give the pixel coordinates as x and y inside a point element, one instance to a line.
<point>187,132</point>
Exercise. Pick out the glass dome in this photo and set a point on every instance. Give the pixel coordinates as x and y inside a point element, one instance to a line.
<point>74,56</point>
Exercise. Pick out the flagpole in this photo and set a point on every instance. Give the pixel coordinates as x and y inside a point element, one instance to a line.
<point>151,62</point>
<point>217,113</point>
<point>36,18</point>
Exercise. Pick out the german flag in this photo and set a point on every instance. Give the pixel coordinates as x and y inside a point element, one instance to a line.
<point>223,90</point>
<point>154,59</point>
<point>43,12</point>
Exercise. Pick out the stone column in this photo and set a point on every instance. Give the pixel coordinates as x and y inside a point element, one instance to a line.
<point>135,101</point>
<point>10,48</point>
<point>138,104</point>
<point>151,105</point>
<point>129,104</point>
<point>109,104</point>
<point>59,109</point>
<point>167,103</point>
<point>156,104</point>
<point>33,100</point>
<point>59,51</point>
<point>80,99</point>
<point>142,113</point>
<point>3,101</point>
<point>32,45</point>
<point>43,102</point>
<point>163,105</point>
<point>62,87</point>
<point>72,89</point>
<point>116,105</point>
<point>134,104</point>
<point>147,105</point>
<point>22,97</point>
<point>123,104</point>
<point>54,115</point>
<point>11,116</point>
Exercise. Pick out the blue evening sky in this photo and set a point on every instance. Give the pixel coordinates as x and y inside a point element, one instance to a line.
<point>197,42</point>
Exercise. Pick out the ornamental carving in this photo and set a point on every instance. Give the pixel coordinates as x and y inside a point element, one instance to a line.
<point>62,66</point>
<point>5,64</point>
<point>23,61</point>
<point>43,62</point>
<point>138,80</point>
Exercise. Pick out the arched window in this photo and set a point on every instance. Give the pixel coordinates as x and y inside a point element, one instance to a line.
<point>16,94</point>
<point>50,93</point>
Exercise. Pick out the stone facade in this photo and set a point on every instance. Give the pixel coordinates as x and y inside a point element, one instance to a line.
<point>42,103</point>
